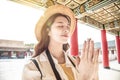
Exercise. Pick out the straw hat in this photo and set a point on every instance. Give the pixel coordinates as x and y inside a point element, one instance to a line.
<point>51,11</point>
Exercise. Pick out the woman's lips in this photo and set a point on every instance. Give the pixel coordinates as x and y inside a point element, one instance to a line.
<point>65,35</point>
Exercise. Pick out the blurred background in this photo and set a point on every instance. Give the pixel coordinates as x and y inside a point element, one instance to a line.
<point>17,40</point>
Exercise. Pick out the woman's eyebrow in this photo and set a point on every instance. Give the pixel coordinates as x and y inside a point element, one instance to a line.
<point>62,22</point>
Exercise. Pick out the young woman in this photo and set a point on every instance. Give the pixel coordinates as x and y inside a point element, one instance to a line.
<point>53,61</point>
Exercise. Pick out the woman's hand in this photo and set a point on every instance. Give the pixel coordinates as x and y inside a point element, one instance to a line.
<point>88,65</point>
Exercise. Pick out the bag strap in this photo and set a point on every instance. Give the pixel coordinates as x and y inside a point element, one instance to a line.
<point>36,64</point>
<point>71,61</point>
<point>53,65</point>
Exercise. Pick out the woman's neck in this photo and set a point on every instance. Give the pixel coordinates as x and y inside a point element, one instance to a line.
<point>56,50</point>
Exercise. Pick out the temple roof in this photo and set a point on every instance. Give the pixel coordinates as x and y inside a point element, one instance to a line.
<point>99,14</point>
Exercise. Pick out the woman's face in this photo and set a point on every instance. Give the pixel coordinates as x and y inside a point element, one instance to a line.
<point>60,30</point>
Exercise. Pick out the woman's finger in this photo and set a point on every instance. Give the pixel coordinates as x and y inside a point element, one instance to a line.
<point>83,50</point>
<point>87,48</point>
<point>95,56</point>
<point>77,60</point>
<point>91,50</point>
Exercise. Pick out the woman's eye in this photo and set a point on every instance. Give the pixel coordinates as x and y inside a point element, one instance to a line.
<point>60,26</point>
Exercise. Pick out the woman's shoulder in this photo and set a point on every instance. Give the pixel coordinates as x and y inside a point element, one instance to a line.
<point>30,67</point>
<point>30,72</point>
<point>40,58</point>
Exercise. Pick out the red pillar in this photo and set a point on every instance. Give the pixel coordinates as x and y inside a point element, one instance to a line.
<point>104,49</point>
<point>74,42</point>
<point>118,48</point>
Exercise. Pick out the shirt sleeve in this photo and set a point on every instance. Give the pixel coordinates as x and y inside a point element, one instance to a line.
<point>30,72</point>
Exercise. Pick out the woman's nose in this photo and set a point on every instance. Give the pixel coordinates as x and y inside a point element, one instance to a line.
<point>66,29</point>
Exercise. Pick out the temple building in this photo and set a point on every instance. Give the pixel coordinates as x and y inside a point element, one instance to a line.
<point>14,49</point>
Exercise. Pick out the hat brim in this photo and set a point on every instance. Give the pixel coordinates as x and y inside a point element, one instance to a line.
<point>51,11</point>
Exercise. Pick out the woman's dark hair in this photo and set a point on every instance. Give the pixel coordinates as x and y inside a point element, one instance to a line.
<point>44,41</point>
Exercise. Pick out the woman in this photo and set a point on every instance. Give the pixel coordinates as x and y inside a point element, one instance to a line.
<point>53,61</point>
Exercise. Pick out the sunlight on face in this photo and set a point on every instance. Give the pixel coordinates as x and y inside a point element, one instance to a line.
<point>60,30</point>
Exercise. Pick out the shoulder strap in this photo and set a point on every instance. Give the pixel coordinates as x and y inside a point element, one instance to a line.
<point>36,64</point>
<point>53,65</point>
<point>71,61</point>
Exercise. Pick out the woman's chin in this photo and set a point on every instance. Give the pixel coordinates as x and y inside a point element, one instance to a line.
<point>65,41</point>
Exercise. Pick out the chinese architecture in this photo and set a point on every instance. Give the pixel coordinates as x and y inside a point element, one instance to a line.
<point>103,15</point>
<point>13,49</point>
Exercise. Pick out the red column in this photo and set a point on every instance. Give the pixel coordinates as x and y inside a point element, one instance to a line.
<point>74,42</point>
<point>118,48</point>
<point>104,49</point>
